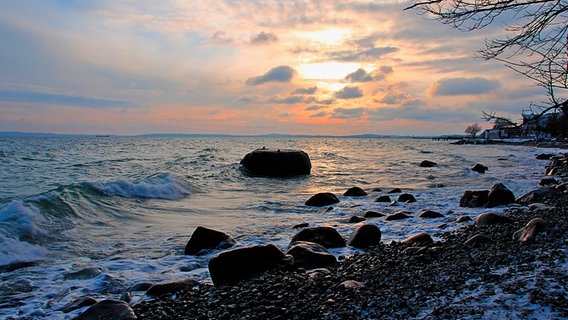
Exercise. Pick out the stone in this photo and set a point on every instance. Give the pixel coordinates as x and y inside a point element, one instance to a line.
<point>374,214</point>
<point>355,192</point>
<point>172,286</point>
<point>548,182</point>
<point>322,199</point>
<point>430,214</point>
<point>108,309</point>
<point>428,164</point>
<point>83,274</point>
<point>529,232</point>
<point>78,304</point>
<point>328,237</point>
<point>491,218</point>
<point>406,197</point>
<point>301,225</point>
<point>277,163</point>
<point>463,219</point>
<point>544,156</point>
<point>365,236</point>
<point>540,195</point>
<point>474,199</point>
<point>237,264</point>
<point>383,199</point>
<point>477,240</point>
<point>400,215</point>
<point>421,238</point>
<point>356,219</point>
<point>352,285</point>
<point>395,190</point>
<point>500,195</point>
<point>205,238</point>
<point>479,168</point>
<point>310,255</point>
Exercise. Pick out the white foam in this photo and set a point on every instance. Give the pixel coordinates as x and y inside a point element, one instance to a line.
<point>156,187</point>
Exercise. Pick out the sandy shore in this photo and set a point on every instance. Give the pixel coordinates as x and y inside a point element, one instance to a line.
<point>500,279</point>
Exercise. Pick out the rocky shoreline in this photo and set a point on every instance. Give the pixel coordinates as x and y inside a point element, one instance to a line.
<point>495,276</point>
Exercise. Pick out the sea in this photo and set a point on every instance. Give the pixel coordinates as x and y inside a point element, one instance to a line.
<point>93,216</point>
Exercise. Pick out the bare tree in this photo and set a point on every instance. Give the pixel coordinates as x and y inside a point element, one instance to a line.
<point>535,39</point>
<point>473,129</point>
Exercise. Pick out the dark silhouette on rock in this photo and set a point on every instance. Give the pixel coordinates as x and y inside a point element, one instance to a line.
<point>205,238</point>
<point>277,163</point>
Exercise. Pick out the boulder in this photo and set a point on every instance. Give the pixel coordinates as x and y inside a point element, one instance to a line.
<point>237,264</point>
<point>322,199</point>
<point>490,218</point>
<point>430,214</point>
<point>463,219</point>
<point>172,286</point>
<point>356,219</point>
<point>479,168</point>
<point>310,255</point>
<point>474,199</point>
<point>365,236</point>
<point>541,195</point>
<point>477,240</point>
<point>406,197</point>
<point>499,196</point>
<point>205,238</point>
<point>421,238</point>
<point>373,214</point>
<point>428,164</point>
<point>548,182</point>
<point>544,156</point>
<point>351,285</point>
<point>529,232</point>
<point>277,163</point>
<point>355,192</point>
<point>383,199</point>
<point>328,237</point>
<point>400,215</point>
<point>78,303</point>
<point>395,190</point>
<point>301,225</point>
<point>108,309</point>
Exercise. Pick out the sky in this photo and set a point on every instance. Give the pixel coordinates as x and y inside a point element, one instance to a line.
<point>246,67</point>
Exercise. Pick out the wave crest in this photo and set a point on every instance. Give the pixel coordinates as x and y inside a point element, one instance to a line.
<point>162,186</point>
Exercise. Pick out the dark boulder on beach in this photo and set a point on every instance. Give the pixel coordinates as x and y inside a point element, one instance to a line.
<point>395,190</point>
<point>428,164</point>
<point>540,195</point>
<point>463,219</point>
<point>310,255</point>
<point>383,199</point>
<point>406,197</point>
<point>237,264</point>
<point>479,168</point>
<point>355,192</point>
<point>277,163</point>
<point>205,238</point>
<point>356,219</point>
<point>500,195</point>
<point>78,303</point>
<point>421,238</point>
<point>172,286</point>
<point>474,199</point>
<point>490,218</point>
<point>325,236</point>
<point>365,236</point>
<point>400,215</point>
<point>477,240</point>
<point>374,214</point>
<point>322,199</point>
<point>430,214</point>
<point>529,232</point>
<point>108,309</point>
<point>548,182</point>
<point>544,156</point>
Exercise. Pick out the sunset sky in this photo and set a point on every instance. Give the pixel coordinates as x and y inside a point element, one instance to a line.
<point>245,67</point>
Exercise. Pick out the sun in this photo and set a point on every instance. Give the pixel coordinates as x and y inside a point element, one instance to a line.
<point>330,37</point>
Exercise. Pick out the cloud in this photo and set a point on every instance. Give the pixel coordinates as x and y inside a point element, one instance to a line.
<point>349,93</point>
<point>364,55</point>
<point>310,90</point>
<point>286,100</point>
<point>319,114</point>
<point>396,98</point>
<point>221,37</point>
<point>277,74</point>
<point>359,76</point>
<point>382,72</point>
<point>263,38</point>
<point>59,99</point>
<point>314,108</point>
<point>463,86</point>
<point>344,113</point>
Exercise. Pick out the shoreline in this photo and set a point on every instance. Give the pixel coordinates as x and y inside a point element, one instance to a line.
<point>502,278</point>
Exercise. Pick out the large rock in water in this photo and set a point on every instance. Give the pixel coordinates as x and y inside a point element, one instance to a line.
<point>322,199</point>
<point>500,195</point>
<point>365,236</point>
<point>205,238</point>
<point>474,199</point>
<point>277,163</point>
<point>241,263</point>
<point>328,237</point>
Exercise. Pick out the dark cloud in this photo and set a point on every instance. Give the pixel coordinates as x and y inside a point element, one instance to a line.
<point>364,55</point>
<point>359,76</point>
<point>314,107</point>
<point>319,114</point>
<point>277,74</point>
<point>462,86</point>
<point>59,99</point>
<point>220,37</point>
<point>382,72</point>
<point>287,100</point>
<point>349,93</point>
<point>310,90</point>
<point>344,113</point>
<point>264,38</point>
<point>396,98</point>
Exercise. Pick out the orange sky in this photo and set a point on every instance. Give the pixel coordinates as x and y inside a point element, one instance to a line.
<point>245,67</point>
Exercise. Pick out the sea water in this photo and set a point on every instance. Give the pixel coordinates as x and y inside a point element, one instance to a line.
<point>92,216</point>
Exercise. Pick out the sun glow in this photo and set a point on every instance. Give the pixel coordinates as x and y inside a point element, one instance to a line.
<point>327,70</point>
<point>327,36</point>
